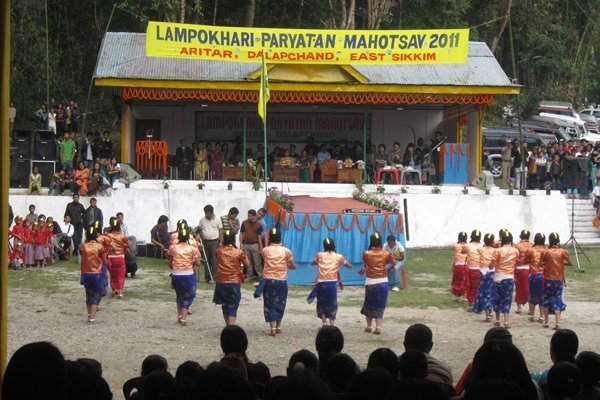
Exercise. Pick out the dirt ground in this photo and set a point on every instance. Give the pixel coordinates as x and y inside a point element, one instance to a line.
<point>128,330</point>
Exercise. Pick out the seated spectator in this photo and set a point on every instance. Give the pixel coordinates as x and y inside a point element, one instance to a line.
<point>412,364</point>
<point>55,187</point>
<point>303,361</point>
<point>376,383</point>
<point>85,383</point>
<point>340,371</point>
<point>159,385</point>
<point>384,358</point>
<point>496,389</point>
<point>36,371</point>
<point>419,337</point>
<point>150,364</point>
<point>160,234</point>
<point>329,341</point>
<point>219,382</point>
<point>588,363</point>
<point>501,359</point>
<point>62,241</point>
<point>417,389</point>
<point>35,181</point>
<point>67,182</point>
<point>301,386</point>
<point>113,170</point>
<point>563,347</point>
<point>98,182</point>
<point>185,378</point>
<point>564,381</point>
<point>82,179</point>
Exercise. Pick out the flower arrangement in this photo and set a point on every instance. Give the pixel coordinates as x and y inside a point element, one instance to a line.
<point>380,187</point>
<point>257,172</point>
<point>377,200</point>
<point>166,182</point>
<point>548,185</point>
<point>127,180</point>
<point>359,184</point>
<point>201,185</point>
<point>281,198</point>
<point>486,190</point>
<point>465,189</point>
<point>404,189</point>
<point>436,190</point>
<point>511,182</point>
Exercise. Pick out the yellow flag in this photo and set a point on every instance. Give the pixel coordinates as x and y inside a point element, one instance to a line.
<point>264,95</point>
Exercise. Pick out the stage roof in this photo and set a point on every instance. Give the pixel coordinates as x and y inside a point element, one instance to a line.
<point>122,62</point>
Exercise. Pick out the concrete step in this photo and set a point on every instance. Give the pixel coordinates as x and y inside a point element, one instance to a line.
<point>586,235</point>
<point>586,242</point>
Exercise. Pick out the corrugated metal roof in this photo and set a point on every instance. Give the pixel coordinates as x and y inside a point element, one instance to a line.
<point>123,55</point>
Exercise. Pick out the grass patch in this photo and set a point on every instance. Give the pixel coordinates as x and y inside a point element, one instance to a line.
<point>428,271</point>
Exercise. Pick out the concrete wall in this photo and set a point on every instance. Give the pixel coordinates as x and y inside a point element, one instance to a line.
<point>433,219</point>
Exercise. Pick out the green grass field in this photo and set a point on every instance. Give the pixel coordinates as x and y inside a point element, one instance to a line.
<point>428,271</point>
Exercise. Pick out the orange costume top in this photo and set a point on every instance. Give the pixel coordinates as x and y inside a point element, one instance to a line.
<point>184,257</point>
<point>486,254</point>
<point>329,265</point>
<point>554,260</point>
<point>523,246</point>
<point>117,244</point>
<point>472,252</point>
<point>230,259</point>
<point>459,257</point>
<point>505,261</point>
<point>92,254</point>
<point>534,256</point>
<point>174,239</point>
<point>376,261</point>
<point>275,261</point>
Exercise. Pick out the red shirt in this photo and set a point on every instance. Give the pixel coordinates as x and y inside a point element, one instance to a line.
<point>40,236</point>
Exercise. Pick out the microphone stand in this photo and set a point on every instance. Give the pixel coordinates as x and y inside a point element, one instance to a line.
<point>436,146</point>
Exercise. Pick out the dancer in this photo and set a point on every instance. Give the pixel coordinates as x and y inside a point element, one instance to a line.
<point>183,261</point>
<point>536,276</point>
<point>522,271</point>
<point>328,262</point>
<point>504,261</point>
<point>230,276</point>
<point>486,290</point>
<point>459,269</point>
<point>93,254</point>
<point>554,260</point>
<point>273,285</point>
<point>376,284</point>
<point>473,274</point>
<point>117,245</point>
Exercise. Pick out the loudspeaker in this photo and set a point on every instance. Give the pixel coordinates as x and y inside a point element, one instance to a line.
<point>127,171</point>
<point>44,145</point>
<point>22,143</point>
<point>574,172</point>
<point>47,169</point>
<point>484,180</point>
<point>19,173</point>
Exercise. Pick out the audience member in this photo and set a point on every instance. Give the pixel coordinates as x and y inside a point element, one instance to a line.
<point>329,342</point>
<point>563,347</point>
<point>384,358</point>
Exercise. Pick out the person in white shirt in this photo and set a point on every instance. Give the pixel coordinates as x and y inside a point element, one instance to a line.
<point>125,231</point>
<point>396,273</point>
<point>211,234</point>
<point>62,242</point>
<point>596,193</point>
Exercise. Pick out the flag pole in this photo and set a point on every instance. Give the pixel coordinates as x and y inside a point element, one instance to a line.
<point>263,84</point>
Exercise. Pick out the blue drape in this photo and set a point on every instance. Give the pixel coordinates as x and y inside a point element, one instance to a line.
<point>307,243</point>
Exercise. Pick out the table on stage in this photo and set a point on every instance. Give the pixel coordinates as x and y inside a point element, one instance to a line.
<point>235,173</point>
<point>350,175</point>
<point>286,174</point>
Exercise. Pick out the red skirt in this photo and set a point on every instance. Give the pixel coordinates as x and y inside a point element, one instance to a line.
<point>521,286</point>
<point>459,280</point>
<point>473,283</point>
<point>116,267</point>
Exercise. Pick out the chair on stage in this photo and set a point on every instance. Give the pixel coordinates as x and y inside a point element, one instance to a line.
<point>392,171</point>
<point>329,170</point>
<point>408,171</point>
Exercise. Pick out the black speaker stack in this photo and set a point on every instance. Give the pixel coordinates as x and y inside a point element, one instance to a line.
<point>29,149</point>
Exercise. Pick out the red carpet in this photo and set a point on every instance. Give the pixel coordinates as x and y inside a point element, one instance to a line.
<point>327,205</point>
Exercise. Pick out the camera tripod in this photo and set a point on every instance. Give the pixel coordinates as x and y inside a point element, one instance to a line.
<point>574,244</point>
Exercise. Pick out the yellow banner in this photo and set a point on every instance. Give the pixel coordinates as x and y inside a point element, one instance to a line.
<point>303,46</point>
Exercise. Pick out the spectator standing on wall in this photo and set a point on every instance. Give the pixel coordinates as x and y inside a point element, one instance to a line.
<point>42,116</point>
<point>12,114</point>
<point>104,149</point>
<point>67,151</point>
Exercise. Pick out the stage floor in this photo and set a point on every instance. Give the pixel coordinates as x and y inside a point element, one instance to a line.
<point>327,205</point>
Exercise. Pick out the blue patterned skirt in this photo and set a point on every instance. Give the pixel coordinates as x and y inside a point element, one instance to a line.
<point>274,299</point>
<point>104,274</point>
<point>375,300</point>
<point>228,296</point>
<point>536,289</point>
<point>504,291</point>
<point>486,292</point>
<point>93,288</point>
<point>327,304</point>
<point>553,296</point>
<point>185,289</point>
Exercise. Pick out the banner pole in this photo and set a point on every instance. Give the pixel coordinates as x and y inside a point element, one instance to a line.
<point>244,143</point>
<point>265,144</point>
<point>365,175</point>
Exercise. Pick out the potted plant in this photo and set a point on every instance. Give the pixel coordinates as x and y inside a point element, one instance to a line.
<point>436,190</point>
<point>257,172</point>
<point>166,182</point>
<point>465,189</point>
<point>201,185</point>
<point>230,186</point>
<point>380,188</point>
<point>404,189</point>
<point>486,190</point>
<point>359,184</point>
<point>511,185</point>
<point>548,187</point>
<point>127,182</point>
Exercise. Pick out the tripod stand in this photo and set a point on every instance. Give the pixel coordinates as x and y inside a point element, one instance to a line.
<point>574,244</point>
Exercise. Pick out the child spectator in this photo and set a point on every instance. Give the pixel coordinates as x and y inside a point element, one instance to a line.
<point>35,181</point>
<point>16,256</point>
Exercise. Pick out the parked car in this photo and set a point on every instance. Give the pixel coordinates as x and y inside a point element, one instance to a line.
<point>595,112</point>
<point>495,138</point>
